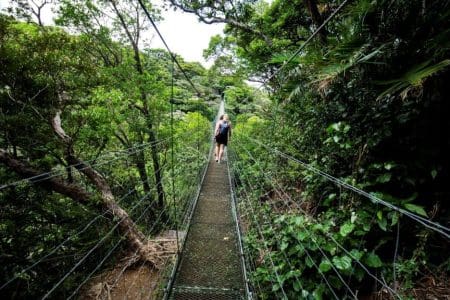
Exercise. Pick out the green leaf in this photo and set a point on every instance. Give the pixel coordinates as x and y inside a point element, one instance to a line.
<point>298,220</point>
<point>433,173</point>
<point>411,198</point>
<point>325,266</point>
<point>334,126</point>
<point>346,128</point>
<point>382,223</point>
<point>380,215</point>
<point>346,229</point>
<point>357,254</point>
<point>394,220</point>
<point>318,292</point>
<point>353,217</point>
<point>359,274</point>
<point>330,247</point>
<point>342,263</point>
<point>372,260</point>
<point>275,287</point>
<point>388,166</point>
<point>384,178</point>
<point>309,262</point>
<point>329,199</point>
<point>297,286</point>
<point>416,209</point>
<point>302,235</point>
<point>366,226</point>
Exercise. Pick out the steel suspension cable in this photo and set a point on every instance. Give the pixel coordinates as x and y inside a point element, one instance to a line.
<point>265,243</point>
<point>122,271</point>
<point>254,214</point>
<point>80,230</point>
<point>238,226</point>
<point>393,292</point>
<point>187,220</point>
<point>172,169</point>
<point>62,244</point>
<point>174,58</point>
<point>51,174</point>
<point>139,269</point>
<point>271,179</point>
<point>425,222</point>
<point>96,246</point>
<point>306,251</point>
<point>332,15</point>
<point>111,251</point>
<point>143,263</point>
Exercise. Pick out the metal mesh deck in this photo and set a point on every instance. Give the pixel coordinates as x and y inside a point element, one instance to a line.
<point>210,265</point>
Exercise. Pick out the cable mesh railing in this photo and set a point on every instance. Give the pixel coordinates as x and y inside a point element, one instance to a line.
<point>268,206</point>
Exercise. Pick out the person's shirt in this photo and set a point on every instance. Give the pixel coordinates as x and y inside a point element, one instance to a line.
<point>219,126</point>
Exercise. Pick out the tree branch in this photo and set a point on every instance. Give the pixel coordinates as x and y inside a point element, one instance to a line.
<point>72,191</point>
<point>136,239</point>
<point>210,19</point>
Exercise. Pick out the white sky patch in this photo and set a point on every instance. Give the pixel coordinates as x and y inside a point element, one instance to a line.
<point>184,34</point>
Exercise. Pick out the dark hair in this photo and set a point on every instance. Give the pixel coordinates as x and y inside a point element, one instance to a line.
<point>221,117</point>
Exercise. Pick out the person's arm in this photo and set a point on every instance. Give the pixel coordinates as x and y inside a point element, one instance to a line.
<point>216,131</point>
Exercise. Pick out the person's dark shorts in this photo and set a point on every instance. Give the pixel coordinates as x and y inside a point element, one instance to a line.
<point>222,139</point>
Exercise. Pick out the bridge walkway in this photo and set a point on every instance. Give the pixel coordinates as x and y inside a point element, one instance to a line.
<point>210,266</point>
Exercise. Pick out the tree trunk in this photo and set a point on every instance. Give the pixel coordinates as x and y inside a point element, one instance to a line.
<point>138,160</point>
<point>146,113</point>
<point>135,238</point>
<point>311,6</point>
<point>157,169</point>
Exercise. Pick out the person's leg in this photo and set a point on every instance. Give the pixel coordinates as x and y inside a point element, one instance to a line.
<point>221,152</point>
<point>216,151</point>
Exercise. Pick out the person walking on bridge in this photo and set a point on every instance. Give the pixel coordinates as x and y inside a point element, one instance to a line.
<point>222,134</point>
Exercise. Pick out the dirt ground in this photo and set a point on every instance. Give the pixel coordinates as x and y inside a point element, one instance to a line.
<point>134,280</point>
<point>135,283</point>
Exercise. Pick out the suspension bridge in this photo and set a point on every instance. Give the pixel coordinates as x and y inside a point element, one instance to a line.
<point>212,260</point>
<point>211,265</point>
<point>212,218</point>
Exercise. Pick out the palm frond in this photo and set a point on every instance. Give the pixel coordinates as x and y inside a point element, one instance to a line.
<point>412,78</point>
<point>333,68</point>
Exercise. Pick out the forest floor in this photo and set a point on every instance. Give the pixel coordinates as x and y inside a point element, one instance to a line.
<point>136,283</point>
<point>130,279</point>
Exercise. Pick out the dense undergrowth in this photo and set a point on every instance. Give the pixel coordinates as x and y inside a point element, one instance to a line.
<point>370,107</point>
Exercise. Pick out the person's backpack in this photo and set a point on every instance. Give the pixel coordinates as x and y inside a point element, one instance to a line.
<point>223,128</point>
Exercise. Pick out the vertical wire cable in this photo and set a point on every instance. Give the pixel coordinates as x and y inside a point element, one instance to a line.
<point>390,290</point>
<point>172,169</point>
<point>304,249</point>
<point>198,135</point>
<point>394,262</point>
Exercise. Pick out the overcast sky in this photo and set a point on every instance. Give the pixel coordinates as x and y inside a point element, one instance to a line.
<point>182,32</point>
<point>185,35</point>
